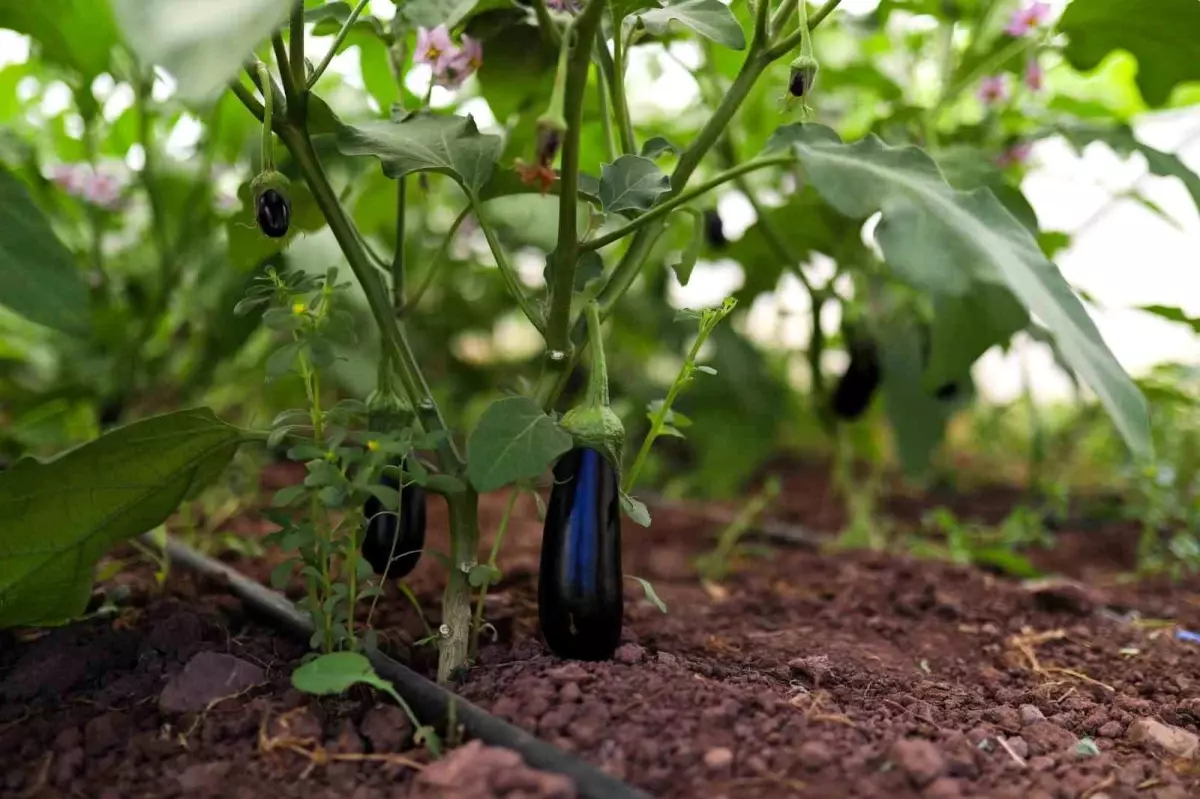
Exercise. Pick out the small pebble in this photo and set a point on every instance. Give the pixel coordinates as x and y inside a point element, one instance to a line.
<point>718,757</point>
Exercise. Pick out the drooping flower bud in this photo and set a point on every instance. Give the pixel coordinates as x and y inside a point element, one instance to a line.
<point>803,76</point>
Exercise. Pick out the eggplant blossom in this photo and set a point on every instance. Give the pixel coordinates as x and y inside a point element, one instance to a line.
<point>1035,78</point>
<point>1016,154</point>
<point>1026,19</point>
<point>993,90</point>
<point>451,64</point>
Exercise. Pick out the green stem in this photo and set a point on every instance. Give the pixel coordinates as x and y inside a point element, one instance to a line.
<point>438,260</point>
<point>690,158</point>
<point>456,601</point>
<point>285,71</point>
<point>660,211</point>
<point>620,101</point>
<point>337,42</point>
<point>785,45</point>
<point>398,276</point>
<point>546,24</point>
<point>597,389</point>
<point>610,140</point>
<point>512,281</point>
<point>299,78</point>
<point>477,625</point>
<point>267,157</point>
<point>566,252</point>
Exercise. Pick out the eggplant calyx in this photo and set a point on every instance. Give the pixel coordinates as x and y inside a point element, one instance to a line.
<point>593,424</point>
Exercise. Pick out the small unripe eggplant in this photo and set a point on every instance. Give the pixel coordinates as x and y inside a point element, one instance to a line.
<point>714,230</point>
<point>858,383</point>
<point>580,601</point>
<point>272,204</point>
<point>393,542</point>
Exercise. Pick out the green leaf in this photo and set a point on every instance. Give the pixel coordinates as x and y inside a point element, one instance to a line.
<point>635,510</point>
<point>918,420</point>
<point>38,278</point>
<point>1160,34</point>
<point>1122,141</point>
<point>337,672</point>
<point>425,142</point>
<point>483,573</point>
<point>651,594</point>
<point>431,13</point>
<point>656,146</point>
<point>513,441</point>
<point>686,260</point>
<point>631,183</point>
<point>968,325</point>
<point>529,220</point>
<point>202,44</point>
<point>60,517</point>
<point>711,19</point>
<point>1172,314</point>
<point>77,34</point>
<point>944,241</point>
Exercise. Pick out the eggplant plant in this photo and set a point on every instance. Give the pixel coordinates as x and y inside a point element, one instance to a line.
<point>953,245</point>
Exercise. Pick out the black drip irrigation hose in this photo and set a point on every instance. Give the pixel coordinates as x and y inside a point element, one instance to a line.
<point>427,699</point>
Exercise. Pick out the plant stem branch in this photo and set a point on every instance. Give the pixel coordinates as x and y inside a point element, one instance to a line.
<point>438,260</point>
<point>398,276</point>
<point>785,45</point>
<point>337,42</point>
<point>285,73</point>
<point>511,281</point>
<point>690,158</point>
<point>483,589</point>
<point>247,99</point>
<point>659,211</point>
<point>299,69</point>
<point>566,251</point>
<point>617,86</point>
<point>456,601</point>
<point>610,140</point>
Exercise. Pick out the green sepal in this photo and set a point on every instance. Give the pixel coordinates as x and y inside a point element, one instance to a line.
<point>803,76</point>
<point>593,423</point>
<point>270,179</point>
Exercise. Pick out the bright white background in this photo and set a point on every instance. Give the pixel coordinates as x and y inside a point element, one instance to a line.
<point>1126,256</point>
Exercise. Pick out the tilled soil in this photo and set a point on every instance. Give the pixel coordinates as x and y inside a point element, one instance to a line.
<point>802,675</point>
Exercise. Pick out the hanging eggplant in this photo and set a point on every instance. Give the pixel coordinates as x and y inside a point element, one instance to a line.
<point>394,538</point>
<point>580,596</point>
<point>858,383</point>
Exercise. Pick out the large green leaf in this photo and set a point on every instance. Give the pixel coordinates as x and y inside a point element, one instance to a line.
<point>1163,35</point>
<point>514,440</point>
<point>1123,142</point>
<point>943,241</point>
<point>1173,314</point>
<point>77,34</point>
<point>965,326</point>
<point>451,145</point>
<point>61,516</point>
<point>631,183</point>
<point>711,19</point>
<point>202,43</point>
<point>529,220</point>
<point>38,278</point>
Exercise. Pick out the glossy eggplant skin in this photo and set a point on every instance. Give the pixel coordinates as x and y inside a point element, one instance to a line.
<point>714,230</point>
<point>858,384</point>
<point>406,532</point>
<point>273,212</point>
<point>581,604</point>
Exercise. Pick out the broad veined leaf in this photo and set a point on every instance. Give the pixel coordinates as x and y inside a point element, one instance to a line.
<point>431,13</point>
<point>529,220</point>
<point>943,241</point>
<point>202,43</point>
<point>77,34</point>
<point>1123,142</point>
<point>514,440</point>
<point>966,168</point>
<point>712,19</point>
<point>38,278</point>
<point>422,142</point>
<point>631,183</point>
<point>61,516</point>
<point>1160,34</point>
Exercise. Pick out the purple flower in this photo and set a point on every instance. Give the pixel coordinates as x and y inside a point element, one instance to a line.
<point>1034,77</point>
<point>100,189</point>
<point>71,178</point>
<point>103,191</point>
<point>1026,19</point>
<point>435,48</point>
<point>1014,155</point>
<point>450,64</point>
<point>993,90</point>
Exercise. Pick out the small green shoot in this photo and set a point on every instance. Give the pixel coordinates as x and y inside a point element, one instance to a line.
<point>717,564</point>
<point>337,672</point>
<point>651,594</point>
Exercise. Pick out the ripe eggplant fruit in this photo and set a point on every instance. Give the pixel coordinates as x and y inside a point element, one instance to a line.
<point>714,230</point>
<point>393,542</point>
<point>581,604</point>
<point>273,212</point>
<point>860,381</point>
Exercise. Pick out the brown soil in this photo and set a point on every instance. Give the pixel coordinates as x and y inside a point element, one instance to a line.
<point>803,675</point>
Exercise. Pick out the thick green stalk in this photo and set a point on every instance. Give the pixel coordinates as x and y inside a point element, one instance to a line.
<point>620,102</point>
<point>398,276</point>
<point>785,44</point>
<point>456,601</point>
<point>566,252</point>
<point>299,76</point>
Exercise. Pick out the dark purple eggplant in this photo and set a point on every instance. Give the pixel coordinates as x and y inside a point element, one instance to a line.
<point>393,542</point>
<point>273,213</point>
<point>858,384</point>
<point>580,599</point>
<point>714,230</point>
